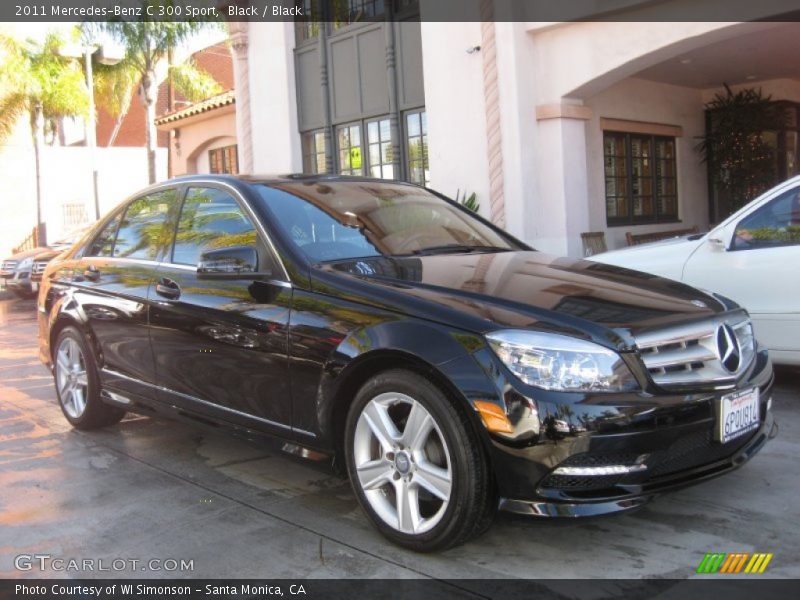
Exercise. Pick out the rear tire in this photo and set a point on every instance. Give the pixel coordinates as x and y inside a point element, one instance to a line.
<point>78,383</point>
<point>416,464</point>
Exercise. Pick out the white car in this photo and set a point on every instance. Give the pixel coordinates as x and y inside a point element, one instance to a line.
<point>753,257</point>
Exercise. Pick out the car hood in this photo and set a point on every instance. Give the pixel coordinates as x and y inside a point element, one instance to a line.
<point>26,253</point>
<point>47,254</point>
<point>665,257</point>
<point>667,243</point>
<point>530,290</point>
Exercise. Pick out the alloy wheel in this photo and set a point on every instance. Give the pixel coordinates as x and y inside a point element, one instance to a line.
<point>402,463</point>
<point>71,377</point>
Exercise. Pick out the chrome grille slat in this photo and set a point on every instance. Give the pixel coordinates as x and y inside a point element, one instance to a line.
<point>39,266</point>
<point>676,335</point>
<point>9,265</point>
<point>688,355</point>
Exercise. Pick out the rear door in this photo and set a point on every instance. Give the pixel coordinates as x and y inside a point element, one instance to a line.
<point>111,282</point>
<point>221,346</point>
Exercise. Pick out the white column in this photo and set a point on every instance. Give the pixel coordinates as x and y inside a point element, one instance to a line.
<point>562,212</point>
<point>244,124</point>
<point>454,99</point>
<point>273,99</point>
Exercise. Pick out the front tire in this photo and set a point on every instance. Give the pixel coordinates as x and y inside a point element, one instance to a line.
<point>23,294</point>
<point>416,464</point>
<point>78,383</point>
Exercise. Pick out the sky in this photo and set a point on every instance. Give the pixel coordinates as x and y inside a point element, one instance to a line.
<point>39,30</point>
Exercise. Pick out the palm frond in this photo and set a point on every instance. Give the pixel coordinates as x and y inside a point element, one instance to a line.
<point>115,86</point>
<point>13,61</point>
<point>12,108</point>
<point>35,74</point>
<point>193,83</point>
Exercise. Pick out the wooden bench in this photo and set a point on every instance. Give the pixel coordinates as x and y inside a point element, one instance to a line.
<point>645,238</point>
<point>594,242</point>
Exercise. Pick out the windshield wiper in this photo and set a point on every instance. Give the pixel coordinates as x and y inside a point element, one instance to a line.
<point>456,248</point>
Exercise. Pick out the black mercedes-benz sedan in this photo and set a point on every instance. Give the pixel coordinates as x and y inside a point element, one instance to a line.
<point>447,367</point>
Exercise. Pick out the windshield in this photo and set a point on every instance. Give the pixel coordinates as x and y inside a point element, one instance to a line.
<point>337,220</point>
<point>70,238</point>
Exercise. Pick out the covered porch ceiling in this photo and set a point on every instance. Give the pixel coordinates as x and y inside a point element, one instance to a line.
<point>747,58</point>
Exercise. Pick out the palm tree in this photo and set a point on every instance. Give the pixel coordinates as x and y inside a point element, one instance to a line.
<point>148,45</point>
<point>36,82</point>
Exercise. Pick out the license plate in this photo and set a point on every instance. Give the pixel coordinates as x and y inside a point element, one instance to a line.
<point>739,413</point>
<point>35,286</point>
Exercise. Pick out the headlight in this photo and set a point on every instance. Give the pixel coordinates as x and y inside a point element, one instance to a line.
<point>557,362</point>
<point>25,264</point>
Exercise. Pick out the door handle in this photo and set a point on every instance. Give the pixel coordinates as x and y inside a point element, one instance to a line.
<point>91,273</point>
<point>168,288</point>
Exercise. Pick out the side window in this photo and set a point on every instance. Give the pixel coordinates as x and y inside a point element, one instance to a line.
<point>210,219</point>
<point>103,243</point>
<point>143,232</point>
<point>777,223</point>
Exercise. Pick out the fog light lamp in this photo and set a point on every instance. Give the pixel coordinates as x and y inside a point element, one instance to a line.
<point>599,471</point>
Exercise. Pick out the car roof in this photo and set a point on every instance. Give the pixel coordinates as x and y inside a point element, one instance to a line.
<point>282,178</point>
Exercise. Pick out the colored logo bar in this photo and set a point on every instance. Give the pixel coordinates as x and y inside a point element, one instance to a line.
<point>737,562</point>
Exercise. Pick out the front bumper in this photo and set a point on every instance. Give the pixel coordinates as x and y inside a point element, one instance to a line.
<point>672,434</point>
<point>634,495</point>
<point>20,281</point>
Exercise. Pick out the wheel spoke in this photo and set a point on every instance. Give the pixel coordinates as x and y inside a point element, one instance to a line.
<point>62,360</point>
<point>377,417</point>
<point>81,378</point>
<point>78,400</point>
<point>418,425</point>
<point>64,385</point>
<point>68,398</point>
<point>374,474</point>
<point>408,517</point>
<point>71,353</point>
<point>434,479</point>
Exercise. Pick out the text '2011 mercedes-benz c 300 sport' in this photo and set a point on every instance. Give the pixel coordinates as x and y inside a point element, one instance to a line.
<point>447,367</point>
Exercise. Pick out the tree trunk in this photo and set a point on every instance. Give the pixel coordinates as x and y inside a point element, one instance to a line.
<point>37,123</point>
<point>149,97</point>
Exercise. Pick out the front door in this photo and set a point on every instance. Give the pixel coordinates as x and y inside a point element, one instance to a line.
<point>220,345</point>
<point>759,270</point>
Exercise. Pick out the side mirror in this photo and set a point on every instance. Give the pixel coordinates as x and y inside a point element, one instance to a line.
<point>719,238</point>
<point>228,263</point>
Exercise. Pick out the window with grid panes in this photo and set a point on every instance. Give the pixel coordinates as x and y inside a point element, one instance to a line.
<point>641,178</point>
<point>346,12</point>
<point>223,160</point>
<point>314,151</point>
<point>379,149</point>
<point>348,146</point>
<point>307,26</point>
<point>416,130</point>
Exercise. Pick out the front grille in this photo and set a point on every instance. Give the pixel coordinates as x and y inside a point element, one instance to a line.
<point>687,355</point>
<point>575,483</point>
<point>39,266</point>
<point>695,450</point>
<point>9,265</point>
<point>601,459</point>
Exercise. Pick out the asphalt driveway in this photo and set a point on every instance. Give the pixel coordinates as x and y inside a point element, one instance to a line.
<point>153,489</point>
